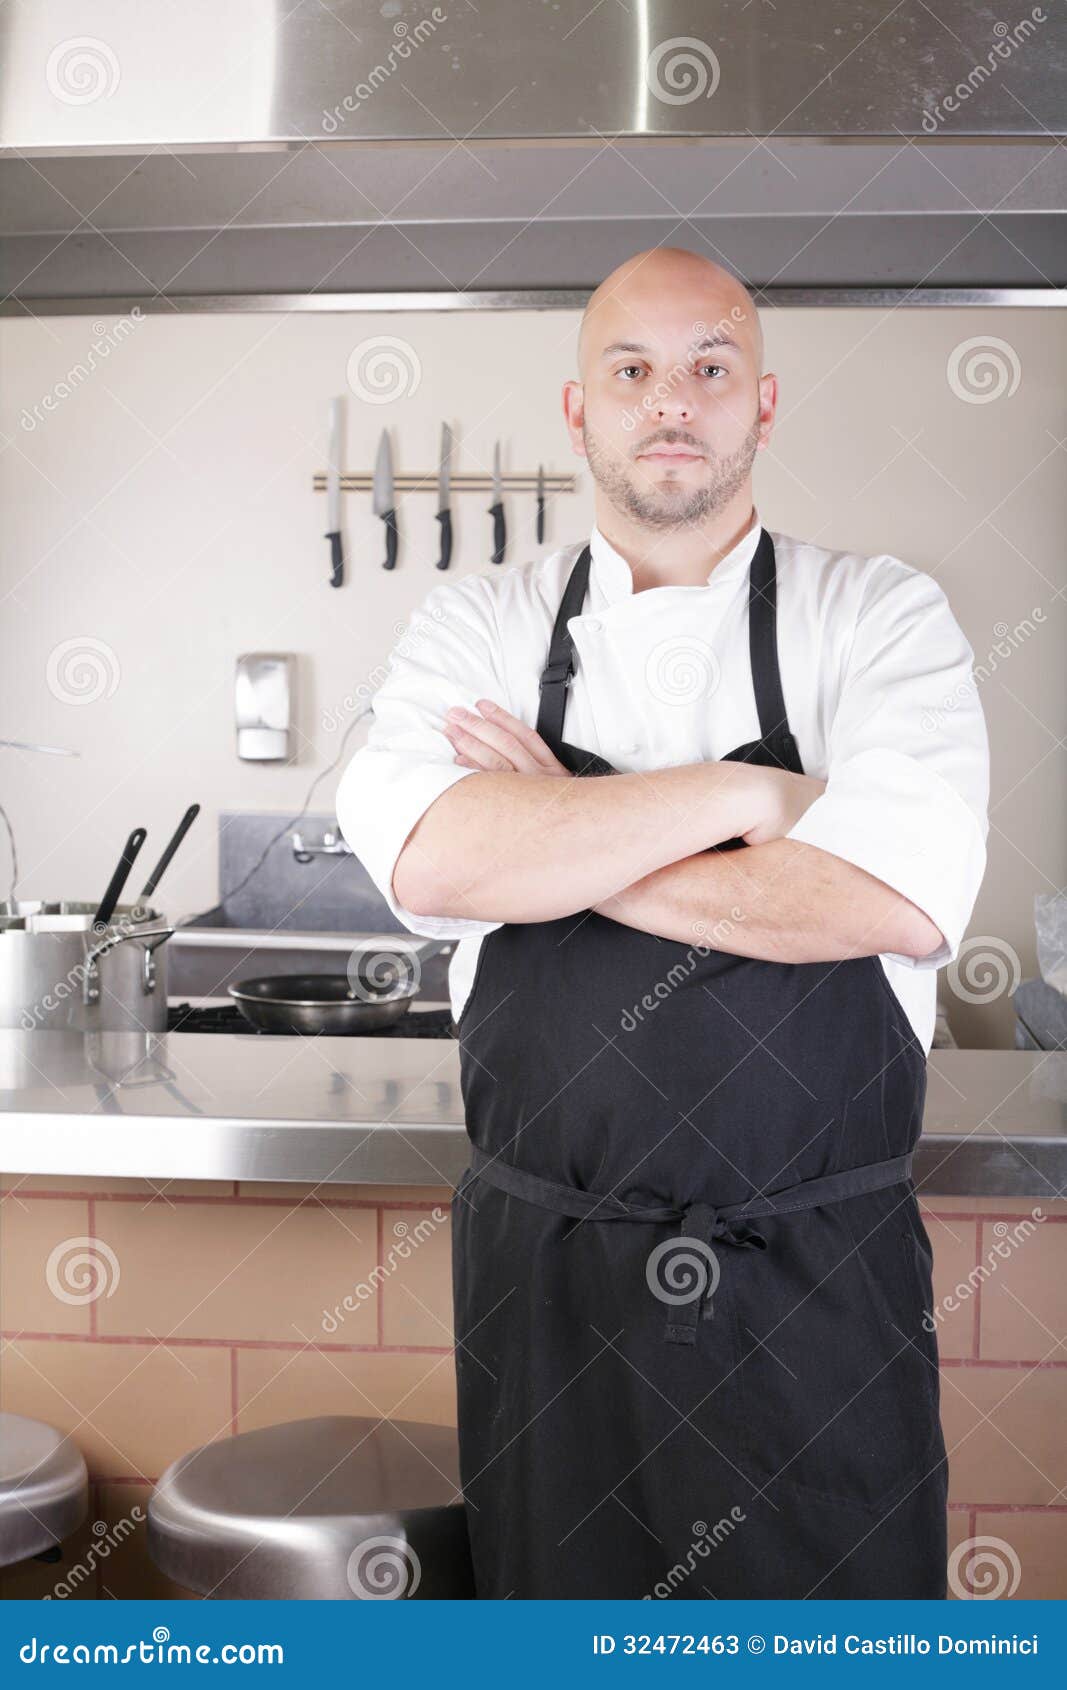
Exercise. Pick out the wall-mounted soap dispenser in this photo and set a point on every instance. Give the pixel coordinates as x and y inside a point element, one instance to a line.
<point>264,700</point>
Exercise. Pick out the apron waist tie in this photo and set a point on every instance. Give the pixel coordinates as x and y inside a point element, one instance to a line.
<point>706,1223</point>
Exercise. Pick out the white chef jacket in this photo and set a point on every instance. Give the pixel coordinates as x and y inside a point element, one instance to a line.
<point>878,685</point>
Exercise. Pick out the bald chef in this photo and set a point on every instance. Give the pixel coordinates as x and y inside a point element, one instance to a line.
<point>706,806</point>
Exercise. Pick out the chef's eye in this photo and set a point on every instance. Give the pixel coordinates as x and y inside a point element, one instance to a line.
<point>636,368</point>
<point>720,367</point>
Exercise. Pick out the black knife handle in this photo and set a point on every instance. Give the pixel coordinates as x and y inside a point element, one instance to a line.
<point>337,559</point>
<point>445,519</point>
<point>392,540</point>
<point>499,532</point>
<point>540,517</point>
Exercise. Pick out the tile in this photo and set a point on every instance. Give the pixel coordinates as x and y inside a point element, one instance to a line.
<point>239,1272</point>
<point>273,1387</point>
<point>1004,1433</point>
<point>131,1408</point>
<point>955,1306</point>
<point>50,1275</point>
<point>1024,1300</point>
<point>417,1283</point>
<point>1035,1556</point>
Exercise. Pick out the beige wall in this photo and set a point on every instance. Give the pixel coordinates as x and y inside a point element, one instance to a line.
<point>160,516</point>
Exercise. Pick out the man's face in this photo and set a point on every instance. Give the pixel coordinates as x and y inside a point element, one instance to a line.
<point>670,418</point>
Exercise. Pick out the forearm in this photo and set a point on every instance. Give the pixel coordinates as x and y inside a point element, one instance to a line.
<point>520,847</point>
<point>782,901</point>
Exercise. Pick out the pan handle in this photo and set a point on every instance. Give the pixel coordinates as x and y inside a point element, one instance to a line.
<point>91,988</point>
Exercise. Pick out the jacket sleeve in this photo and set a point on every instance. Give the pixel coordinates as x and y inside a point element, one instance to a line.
<point>449,654</point>
<point>908,780</point>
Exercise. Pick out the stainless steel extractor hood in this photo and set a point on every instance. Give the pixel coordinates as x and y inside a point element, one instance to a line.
<point>258,152</point>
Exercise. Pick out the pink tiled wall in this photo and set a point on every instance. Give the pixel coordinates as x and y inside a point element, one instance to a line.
<point>217,1308</point>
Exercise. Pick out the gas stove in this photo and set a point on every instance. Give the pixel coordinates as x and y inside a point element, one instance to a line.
<point>435,1023</point>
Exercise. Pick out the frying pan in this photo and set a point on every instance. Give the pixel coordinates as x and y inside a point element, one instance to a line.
<point>319,1003</point>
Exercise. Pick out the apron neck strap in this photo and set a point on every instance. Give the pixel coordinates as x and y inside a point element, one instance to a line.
<point>557,672</point>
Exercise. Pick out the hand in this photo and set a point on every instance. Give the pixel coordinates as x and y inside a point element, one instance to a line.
<point>498,743</point>
<point>785,796</point>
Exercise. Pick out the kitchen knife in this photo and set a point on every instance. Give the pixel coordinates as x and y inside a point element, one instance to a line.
<point>540,503</point>
<point>333,494</point>
<point>496,509</point>
<point>384,503</point>
<point>444,497</point>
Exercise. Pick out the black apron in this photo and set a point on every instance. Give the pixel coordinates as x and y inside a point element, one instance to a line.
<point>689,1268</point>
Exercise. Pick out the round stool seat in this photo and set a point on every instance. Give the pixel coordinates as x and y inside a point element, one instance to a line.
<point>321,1509</point>
<point>44,1488</point>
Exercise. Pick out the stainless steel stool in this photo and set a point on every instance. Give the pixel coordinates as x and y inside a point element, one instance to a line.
<point>334,1507</point>
<point>44,1489</point>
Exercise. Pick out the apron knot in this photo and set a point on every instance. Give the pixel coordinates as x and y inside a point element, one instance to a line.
<point>689,1259</point>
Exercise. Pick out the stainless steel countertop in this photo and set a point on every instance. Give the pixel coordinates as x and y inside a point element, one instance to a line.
<point>389,1111</point>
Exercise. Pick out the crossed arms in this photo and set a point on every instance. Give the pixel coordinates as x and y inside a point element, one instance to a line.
<point>524,840</point>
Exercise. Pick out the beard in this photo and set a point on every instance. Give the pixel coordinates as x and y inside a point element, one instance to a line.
<point>674,504</point>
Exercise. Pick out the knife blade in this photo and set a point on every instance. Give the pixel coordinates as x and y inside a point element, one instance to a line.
<point>333,494</point>
<point>444,497</point>
<point>540,503</point>
<point>496,509</point>
<point>384,500</point>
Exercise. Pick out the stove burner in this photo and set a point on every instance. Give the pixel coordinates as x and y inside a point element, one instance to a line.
<point>227,1018</point>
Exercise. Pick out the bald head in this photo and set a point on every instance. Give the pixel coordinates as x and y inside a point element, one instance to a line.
<point>655,292</point>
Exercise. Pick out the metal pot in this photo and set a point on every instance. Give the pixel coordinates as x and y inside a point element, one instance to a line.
<point>59,970</point>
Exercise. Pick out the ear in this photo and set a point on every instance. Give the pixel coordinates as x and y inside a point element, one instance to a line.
<point>574,413</point>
